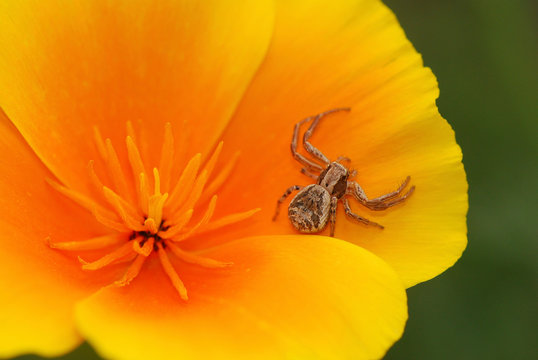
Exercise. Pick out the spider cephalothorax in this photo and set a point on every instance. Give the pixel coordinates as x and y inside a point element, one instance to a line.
<point>315,205</point>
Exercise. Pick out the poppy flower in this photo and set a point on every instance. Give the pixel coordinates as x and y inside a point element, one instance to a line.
<point>144,145</point>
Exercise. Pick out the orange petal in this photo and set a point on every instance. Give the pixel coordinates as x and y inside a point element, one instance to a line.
<point>355,55</point>
<point>146,62</point>
<point>285,297</point>
<point>39,285</point>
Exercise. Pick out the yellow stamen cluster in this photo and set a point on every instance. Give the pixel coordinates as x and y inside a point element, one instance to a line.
<point>148,219</point>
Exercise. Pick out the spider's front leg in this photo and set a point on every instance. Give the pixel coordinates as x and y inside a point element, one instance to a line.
<point>382,202</point>
<point>309,164</point>
<point>340,159</point>
<point>283,197</point>
<point>311,149</point>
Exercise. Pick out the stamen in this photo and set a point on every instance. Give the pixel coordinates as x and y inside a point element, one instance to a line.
<point>130,209</point>
<point>106,220</point>
<point>88,244</point>
<point>171,272</point>
<point>96,182</point>
<point>132,271</point>
<point>157,182</point>
<point>144,193</point>
<point>194,194</point>
<point>219,179</point>
<point>108,259</point>
<point>115,170</point>
<point>137,166</point>
<point>156,203</point>
<point>204,220</point>
<point>213,160</point>
<point>187,178</point>
<point>139,220</point>
<point>167,156</point>
<point>79,198</point>
<point>179,222</point>
<point>151,226</point>
<point>196,259</point>
<point>227,220</point>
<point>99,143</point>
<point>143,146</point>
<point>146,248</point>
<point>160,205</point>
<point>130,130</point>
<point>126,212</point>
<point>127,258</point>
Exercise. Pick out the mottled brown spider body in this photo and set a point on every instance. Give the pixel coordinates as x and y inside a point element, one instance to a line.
<point>309,209</point>
<point>315,205</point>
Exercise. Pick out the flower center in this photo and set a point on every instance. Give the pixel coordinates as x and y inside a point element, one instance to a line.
<point>146,215</point>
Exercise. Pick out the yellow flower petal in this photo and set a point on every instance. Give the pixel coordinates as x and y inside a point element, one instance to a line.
<point>107,66</point>
<point>285,297</point>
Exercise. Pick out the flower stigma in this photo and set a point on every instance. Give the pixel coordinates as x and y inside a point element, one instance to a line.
<point>150,214</point>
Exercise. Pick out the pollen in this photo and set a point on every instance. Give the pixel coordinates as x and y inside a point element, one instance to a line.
<point>149,212</point>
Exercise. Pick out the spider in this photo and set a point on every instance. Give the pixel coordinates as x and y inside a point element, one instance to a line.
<point>315,205</point>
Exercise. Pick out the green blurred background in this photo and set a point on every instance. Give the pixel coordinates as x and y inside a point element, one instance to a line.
<point>485,56</point>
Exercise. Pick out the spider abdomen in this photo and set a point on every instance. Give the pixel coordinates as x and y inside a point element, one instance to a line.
<point>309,209</point>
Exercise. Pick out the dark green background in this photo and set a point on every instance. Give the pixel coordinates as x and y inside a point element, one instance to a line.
<point>485,56</point>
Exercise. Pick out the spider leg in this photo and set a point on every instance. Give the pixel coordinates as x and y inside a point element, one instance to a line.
<point>332,217</point>
<point>308,133</point>
<point>352,172</point>
<point>343,158</point>
<point>384,201</point>
<point>309,164</point>
<point>283,197</point>
<point>309,174</point>
<point>358,218</point>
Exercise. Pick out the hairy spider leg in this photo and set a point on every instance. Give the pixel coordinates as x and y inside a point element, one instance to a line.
<point>283,197</point>
<point>356,217</point>
<point>308,133</point>
<point>309,174</point>
<point>352,172</point>
<point>343,158</point>
<point>309,164</point>
<point>332,216</point>
<point>382,202</point>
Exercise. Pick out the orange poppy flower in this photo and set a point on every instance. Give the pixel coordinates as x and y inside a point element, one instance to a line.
<point>112,155</point>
